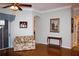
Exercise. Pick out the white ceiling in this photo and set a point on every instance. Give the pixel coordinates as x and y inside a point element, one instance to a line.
<point>47,6</point>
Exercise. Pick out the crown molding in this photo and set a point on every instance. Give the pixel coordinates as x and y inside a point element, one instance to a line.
<point>56,9</point>
<point>75,9</point>
<point>26,8</point>
<point>34,10</point>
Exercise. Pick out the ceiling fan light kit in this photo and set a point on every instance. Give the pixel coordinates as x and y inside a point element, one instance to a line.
<point>15,8</point>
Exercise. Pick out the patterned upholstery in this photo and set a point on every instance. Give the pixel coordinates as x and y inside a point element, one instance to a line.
<point>24,43</point>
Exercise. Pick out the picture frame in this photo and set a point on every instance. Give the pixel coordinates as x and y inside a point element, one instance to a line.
<point>23,24</point>
<point>54,25</point>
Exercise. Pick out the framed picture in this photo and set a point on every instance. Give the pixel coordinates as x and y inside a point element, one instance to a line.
<point>23,24</point>
<point>54,25</point>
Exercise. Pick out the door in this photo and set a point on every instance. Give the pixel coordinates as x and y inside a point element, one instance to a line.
<point>0,37</point>
<point>4,34</point>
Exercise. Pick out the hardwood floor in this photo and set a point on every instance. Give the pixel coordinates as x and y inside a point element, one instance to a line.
<point>41,50</point>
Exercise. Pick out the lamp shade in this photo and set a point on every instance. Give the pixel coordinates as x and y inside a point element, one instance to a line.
<point>14,8</point>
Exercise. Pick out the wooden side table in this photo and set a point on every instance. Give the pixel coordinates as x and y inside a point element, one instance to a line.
<point>55,38</point>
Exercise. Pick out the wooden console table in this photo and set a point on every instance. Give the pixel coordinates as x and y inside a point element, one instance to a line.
<point>55,38</point>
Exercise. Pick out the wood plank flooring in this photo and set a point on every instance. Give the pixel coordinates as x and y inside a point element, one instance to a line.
<point>41,50</point>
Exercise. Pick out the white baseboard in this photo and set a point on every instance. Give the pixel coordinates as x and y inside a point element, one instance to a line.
<point>66,47</point>
<point>41,43</point>
<point>62,46</point>
<point>4,48</point>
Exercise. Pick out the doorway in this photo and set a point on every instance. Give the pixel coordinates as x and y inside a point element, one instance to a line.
<point>36,28</point>
<point>75,34</point>
<point>4,34</point>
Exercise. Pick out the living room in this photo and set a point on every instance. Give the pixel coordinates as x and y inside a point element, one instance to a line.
<point>37,21</point>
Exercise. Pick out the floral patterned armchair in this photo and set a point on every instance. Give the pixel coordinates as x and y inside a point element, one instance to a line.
<point>24,43</point>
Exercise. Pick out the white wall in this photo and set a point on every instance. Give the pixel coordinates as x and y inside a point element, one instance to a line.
<point>65,26</point>
<point>14,30</point>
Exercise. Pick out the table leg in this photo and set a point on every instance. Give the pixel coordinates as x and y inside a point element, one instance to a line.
<point>60,43</point>
<point>48,41</point>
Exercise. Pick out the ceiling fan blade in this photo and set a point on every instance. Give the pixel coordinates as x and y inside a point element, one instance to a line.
<point>19,8</point>
<point>7,6</point>
<point>26,5</point>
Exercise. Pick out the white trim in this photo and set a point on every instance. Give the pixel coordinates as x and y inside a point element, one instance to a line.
<point>5,48</point>
<point>26,8</point>
<point>50,10</point>
<point>41,43</point>
<point>62,46</point>
<point>67,47</point>
<point>75,9</point>
<point>34,10</point>
<point>56,9</point>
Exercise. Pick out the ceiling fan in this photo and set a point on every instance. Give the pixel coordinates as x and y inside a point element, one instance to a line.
<point>17,6</point>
